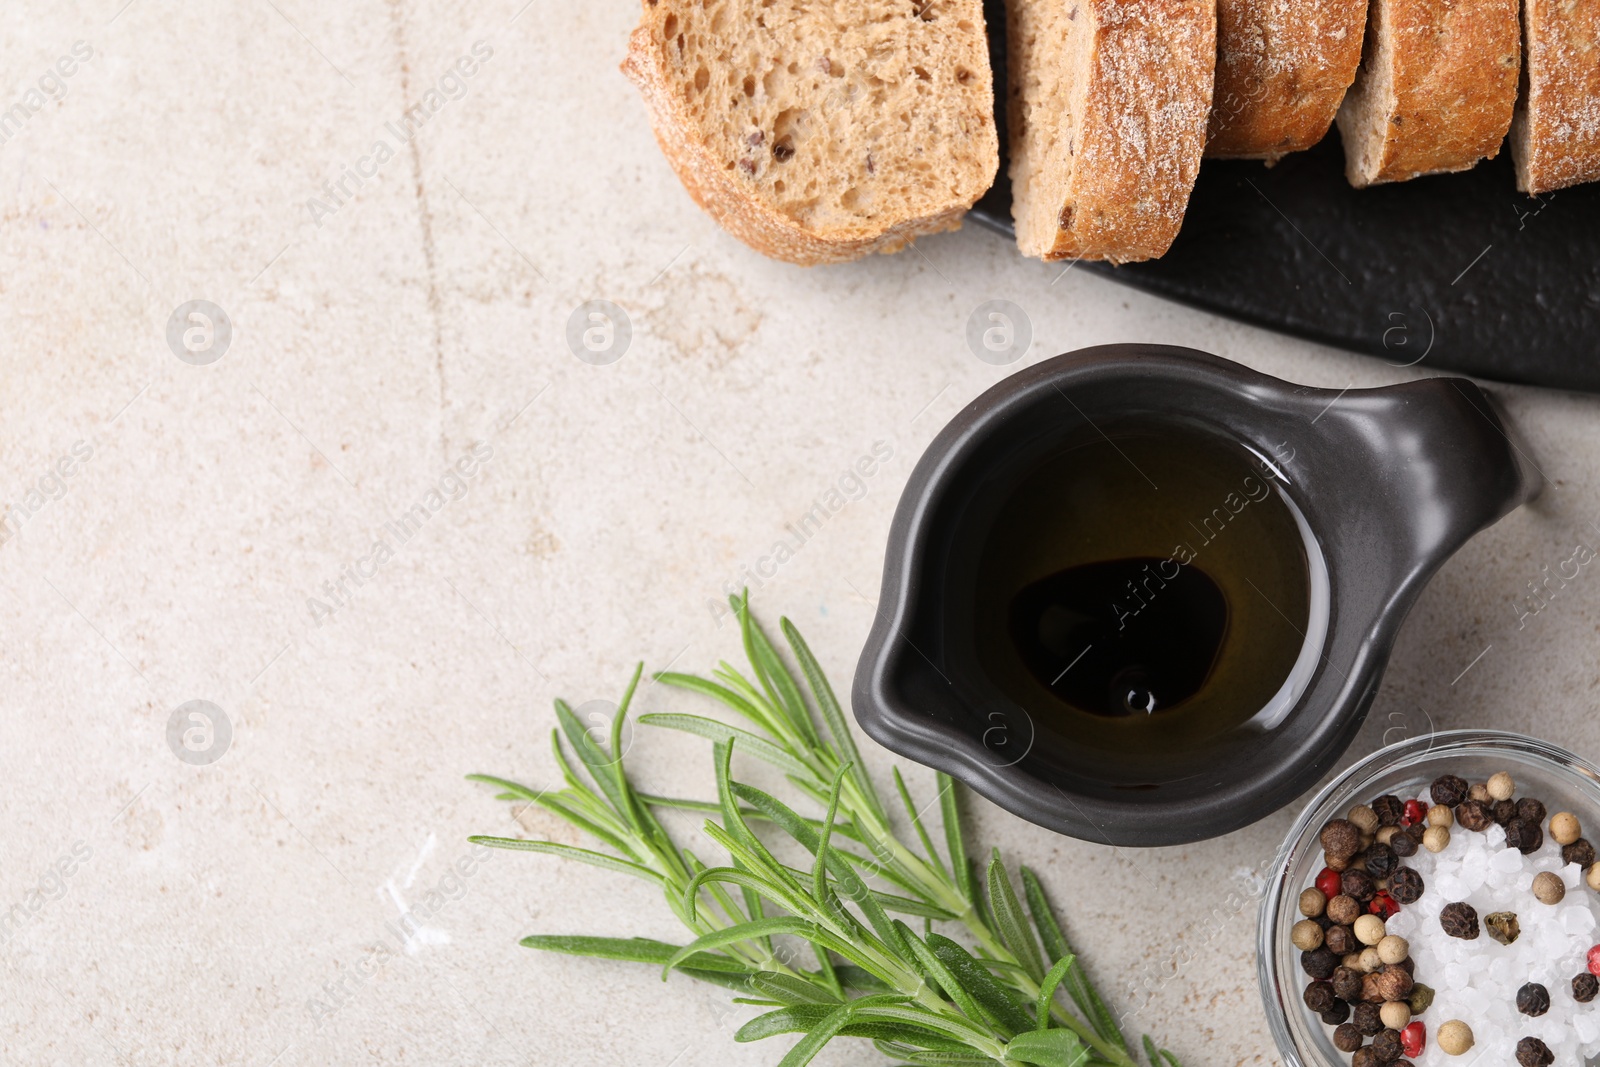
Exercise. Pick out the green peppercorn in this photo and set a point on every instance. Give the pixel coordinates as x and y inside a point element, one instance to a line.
<point>1421,998</point>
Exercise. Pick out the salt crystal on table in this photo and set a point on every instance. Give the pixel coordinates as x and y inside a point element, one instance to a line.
<point>1570,875</point>
<point>1577,920</point>
<point>1495,837</point>
<point>1585,1026</point>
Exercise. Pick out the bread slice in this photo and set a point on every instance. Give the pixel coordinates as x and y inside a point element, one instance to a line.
<point>821,132</point>
<point>1282,70</point>
<point>1107,109</point>
<point>1436,89</point>
<point>1555,136</point>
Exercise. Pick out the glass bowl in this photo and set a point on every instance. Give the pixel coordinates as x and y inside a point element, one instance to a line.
<point>1561,779</point>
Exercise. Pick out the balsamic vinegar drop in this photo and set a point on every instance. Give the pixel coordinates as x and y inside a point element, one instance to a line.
<point>1142,596</point>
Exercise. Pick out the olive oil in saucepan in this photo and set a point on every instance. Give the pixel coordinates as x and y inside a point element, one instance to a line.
<point>1143,592</point>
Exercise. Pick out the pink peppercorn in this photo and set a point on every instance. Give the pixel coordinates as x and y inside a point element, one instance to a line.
<point>1413,1039</point>
<point>1594,961</point>
<point>1413,813</point>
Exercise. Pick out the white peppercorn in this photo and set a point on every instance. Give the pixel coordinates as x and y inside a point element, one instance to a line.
<point>1395,1014</point>
<point>1306,935</point>
<point>1548,887</point>
<point>1391,949</point>
<point>1455,1037</point>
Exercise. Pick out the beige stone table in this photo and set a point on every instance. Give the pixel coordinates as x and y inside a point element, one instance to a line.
<point>397,293</point>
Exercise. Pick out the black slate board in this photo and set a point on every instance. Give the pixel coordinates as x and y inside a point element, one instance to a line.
<point>1454,271</point>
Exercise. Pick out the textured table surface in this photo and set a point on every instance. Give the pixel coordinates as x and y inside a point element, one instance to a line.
<point>241,910</point>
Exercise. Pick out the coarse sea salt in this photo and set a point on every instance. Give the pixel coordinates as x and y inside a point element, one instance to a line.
<point>1477,981</point>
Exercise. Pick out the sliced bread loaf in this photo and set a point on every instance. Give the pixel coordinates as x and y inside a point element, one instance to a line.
<point>1282,70</point>
<point>821,132</point>
<point>1555,136</point>
<point>1436,89</point>
<point>1107,109</point>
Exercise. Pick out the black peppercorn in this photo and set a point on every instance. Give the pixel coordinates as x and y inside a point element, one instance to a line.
<point>1505,811</point>
<point>1347,985</point>
<point>1366,1018</point>
<point>1319,997</point>
<point>1386,1046</point>
<point>1474,815</point>
<point>1347,1038</point>
<point>1340,838</point>
<point>1363,1057</point>
<point>1341,940</point>
<point>1584,987</point>
<point>1381,860</point>
<point>1448,790</point>
<point>1531,1052</point>
<point>1389,810</point>
<point>1524,836</point>
<point>1403,845</point>
<point>1336,1014</point>
<point>1533,999</point>
<point>1405,885</point>
<point>1320,963</point>
<point>1531,810</point>
<point>1579,852</point>
<point>1458,920</point>
<point>1358,885</point>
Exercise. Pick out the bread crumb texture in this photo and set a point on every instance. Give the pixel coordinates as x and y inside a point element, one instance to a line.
<point>1107,108</point>
<point>1555,136</point>
<point>1283,67</point>
<point>1436,89</point>
<point>822,131</point>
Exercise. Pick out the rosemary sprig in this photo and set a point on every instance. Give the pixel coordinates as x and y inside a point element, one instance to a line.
<point>921,997</point>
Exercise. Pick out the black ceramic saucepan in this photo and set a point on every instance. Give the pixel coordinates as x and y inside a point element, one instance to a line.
<point>1142,595</point>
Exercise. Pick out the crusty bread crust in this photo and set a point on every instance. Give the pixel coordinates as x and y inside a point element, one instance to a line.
<point>1138,98</point>
<point>1555,136</point>
<point>1283,67</point>
<point>1436,89</point>
<point>722,190</point>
